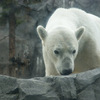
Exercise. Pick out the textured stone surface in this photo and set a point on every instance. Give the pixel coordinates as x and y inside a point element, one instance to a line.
<point>8,88</point>
<point>82,86</point>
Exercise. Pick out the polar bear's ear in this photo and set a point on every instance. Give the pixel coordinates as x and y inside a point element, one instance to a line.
<point>41,32</point>
<point>79,32</point>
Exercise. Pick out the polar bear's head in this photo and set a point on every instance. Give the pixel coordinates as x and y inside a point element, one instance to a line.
<point>60,47</point>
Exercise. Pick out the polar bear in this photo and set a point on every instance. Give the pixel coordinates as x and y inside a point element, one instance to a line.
<point>70,42</point>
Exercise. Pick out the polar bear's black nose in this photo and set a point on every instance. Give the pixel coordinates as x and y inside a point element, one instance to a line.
<point>66,72</point>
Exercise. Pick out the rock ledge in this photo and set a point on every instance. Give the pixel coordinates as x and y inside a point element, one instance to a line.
<point>82,86</point>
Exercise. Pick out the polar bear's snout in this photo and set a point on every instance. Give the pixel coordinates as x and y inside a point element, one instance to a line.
<point>66,66</point>
<point>66,72</point>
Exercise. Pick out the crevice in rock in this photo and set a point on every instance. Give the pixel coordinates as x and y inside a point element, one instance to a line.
<point>16,91</point>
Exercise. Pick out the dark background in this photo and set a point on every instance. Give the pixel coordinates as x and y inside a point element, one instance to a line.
<point>20,46</point>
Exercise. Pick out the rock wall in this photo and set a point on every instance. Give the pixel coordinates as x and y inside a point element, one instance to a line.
<point>28,45</point>
<point>82,86</point>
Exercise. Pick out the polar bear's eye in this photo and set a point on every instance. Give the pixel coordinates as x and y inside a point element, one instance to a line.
<point>56,52</point>
<point>74,51</point>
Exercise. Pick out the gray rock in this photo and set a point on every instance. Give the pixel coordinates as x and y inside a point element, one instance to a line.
<point>84,79</point>
<point>8,88</point>
<point>7,84</point>
<point>88,85</point>
<point>82,86</point>
<point>36,89</point>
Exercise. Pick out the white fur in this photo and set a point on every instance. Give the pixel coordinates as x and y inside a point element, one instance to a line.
<point>61,35</point>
